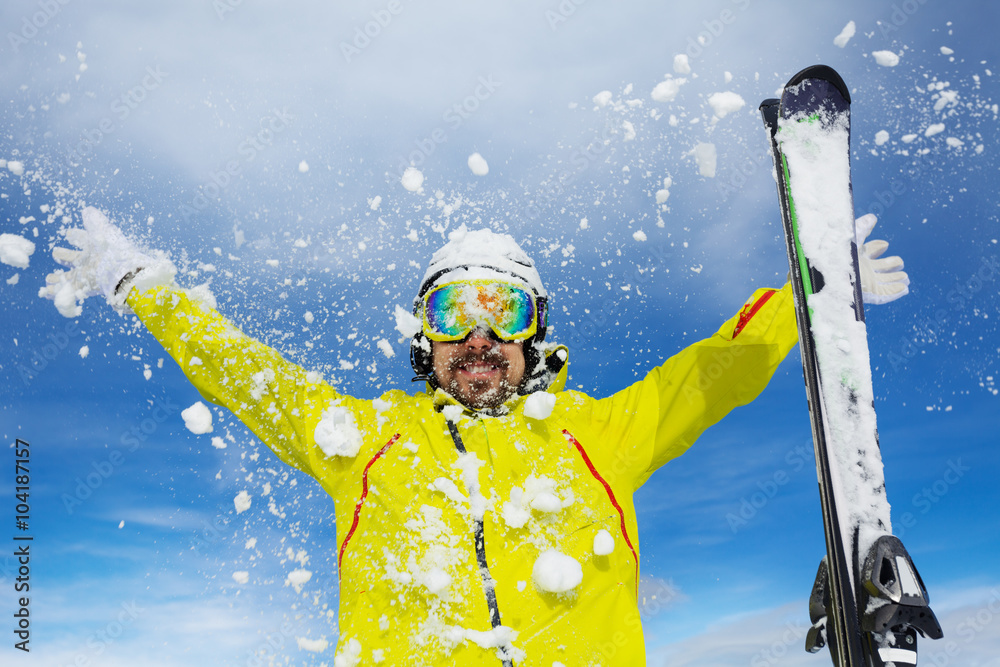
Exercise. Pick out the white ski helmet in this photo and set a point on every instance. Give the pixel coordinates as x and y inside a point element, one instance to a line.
<point>479,254</point>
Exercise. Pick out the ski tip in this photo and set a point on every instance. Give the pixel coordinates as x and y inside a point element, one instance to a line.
<point>825,73</point>
<point>769,112</point>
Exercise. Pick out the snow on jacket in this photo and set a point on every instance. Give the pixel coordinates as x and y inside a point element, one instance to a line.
<point>484,556</point>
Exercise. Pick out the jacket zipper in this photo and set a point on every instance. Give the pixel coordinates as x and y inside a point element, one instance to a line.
<point>484,568</point>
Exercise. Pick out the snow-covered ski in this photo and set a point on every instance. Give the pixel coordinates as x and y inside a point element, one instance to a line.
<point>868,602</point>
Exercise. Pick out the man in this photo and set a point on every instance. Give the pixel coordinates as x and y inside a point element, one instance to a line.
<point>487,520</point>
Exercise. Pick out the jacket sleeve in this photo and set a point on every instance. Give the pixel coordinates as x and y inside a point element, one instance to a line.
<point>277,400</point>
<point>701,384</point>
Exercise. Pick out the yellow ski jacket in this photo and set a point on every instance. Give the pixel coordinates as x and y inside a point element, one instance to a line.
<point>470,540</point>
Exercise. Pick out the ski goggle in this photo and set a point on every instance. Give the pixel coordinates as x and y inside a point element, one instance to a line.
<point>453,310</point>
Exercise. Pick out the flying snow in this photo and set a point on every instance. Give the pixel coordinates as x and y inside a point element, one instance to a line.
<point>555,572</point>
<point>297,578</point>
<point>845,35</point>
<point>407,323</point>
<point>936,128</point>
<point>413,179</point>
<point>725,103</point>
<point>478,165</point>
<point>312,645</point>
<point>15,250</point>
<point>539,405</point>
<point>886,58</point>
<point>386,348</point>
<point>603,98</point>
<point>241,502</point>
<point>337,434</point>
<point>681,64</point>
<point>197,418</point>
<point>604,544</point>
<point>705,156</point>
<point>666,91</point>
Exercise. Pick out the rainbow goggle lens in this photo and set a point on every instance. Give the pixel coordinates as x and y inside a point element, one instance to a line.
<point>453,310</point>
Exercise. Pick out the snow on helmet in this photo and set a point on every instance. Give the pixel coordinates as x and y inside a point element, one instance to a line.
<point>481,255</point>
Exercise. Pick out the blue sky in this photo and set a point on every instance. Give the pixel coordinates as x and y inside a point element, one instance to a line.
<point>174,94</point>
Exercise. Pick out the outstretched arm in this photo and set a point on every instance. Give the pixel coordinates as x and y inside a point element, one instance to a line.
<point>278,400</point>
<point>702,383</point>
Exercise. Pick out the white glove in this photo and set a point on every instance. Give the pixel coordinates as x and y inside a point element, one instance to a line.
<point>107,263</point>
<point>882,280</point>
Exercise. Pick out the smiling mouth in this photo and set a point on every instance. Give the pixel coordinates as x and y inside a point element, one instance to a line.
<point>479,369</point>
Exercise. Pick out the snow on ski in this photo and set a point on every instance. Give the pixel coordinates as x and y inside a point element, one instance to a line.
<point>868,602</point>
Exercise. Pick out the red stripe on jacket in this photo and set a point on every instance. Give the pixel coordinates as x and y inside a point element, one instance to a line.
<point>750,310</point>
<point>361,500</point>
<point>614,501</point>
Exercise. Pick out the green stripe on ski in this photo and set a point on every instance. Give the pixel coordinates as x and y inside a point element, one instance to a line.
<point>803,265</point>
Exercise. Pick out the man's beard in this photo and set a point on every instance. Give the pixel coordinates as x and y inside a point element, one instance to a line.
<point>481,394</point>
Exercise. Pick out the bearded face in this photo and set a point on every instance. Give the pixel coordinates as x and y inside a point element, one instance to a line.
<point>481,371</point>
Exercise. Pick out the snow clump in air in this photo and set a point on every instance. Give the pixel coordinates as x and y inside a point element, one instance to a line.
<point>845,35</point>
<point>705,156</point>
<point>936,128</point>
<point>539,405</point>
<point>629,130</point>
<point>242,502</point>
<point>413,179</point>
<point>15,250</point>
<point>386,348</point>
<point>886,58</point>
<point>297,579</point>
<point>725,103</point>
<point>555,572</point>
<point>241,577</point>
<point>666,91</point>
<point>881,137</point>
<point>681,64</point>
<point>664,193</point>
<point>337,434</point>
<point>15,167</point>
<point>603,98</point>
<point>604,544</point>
<point>312,645</point>
<point>407,323</point>
<point>478,165</point>
<point>303,167</point>
<point>197,418</point>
